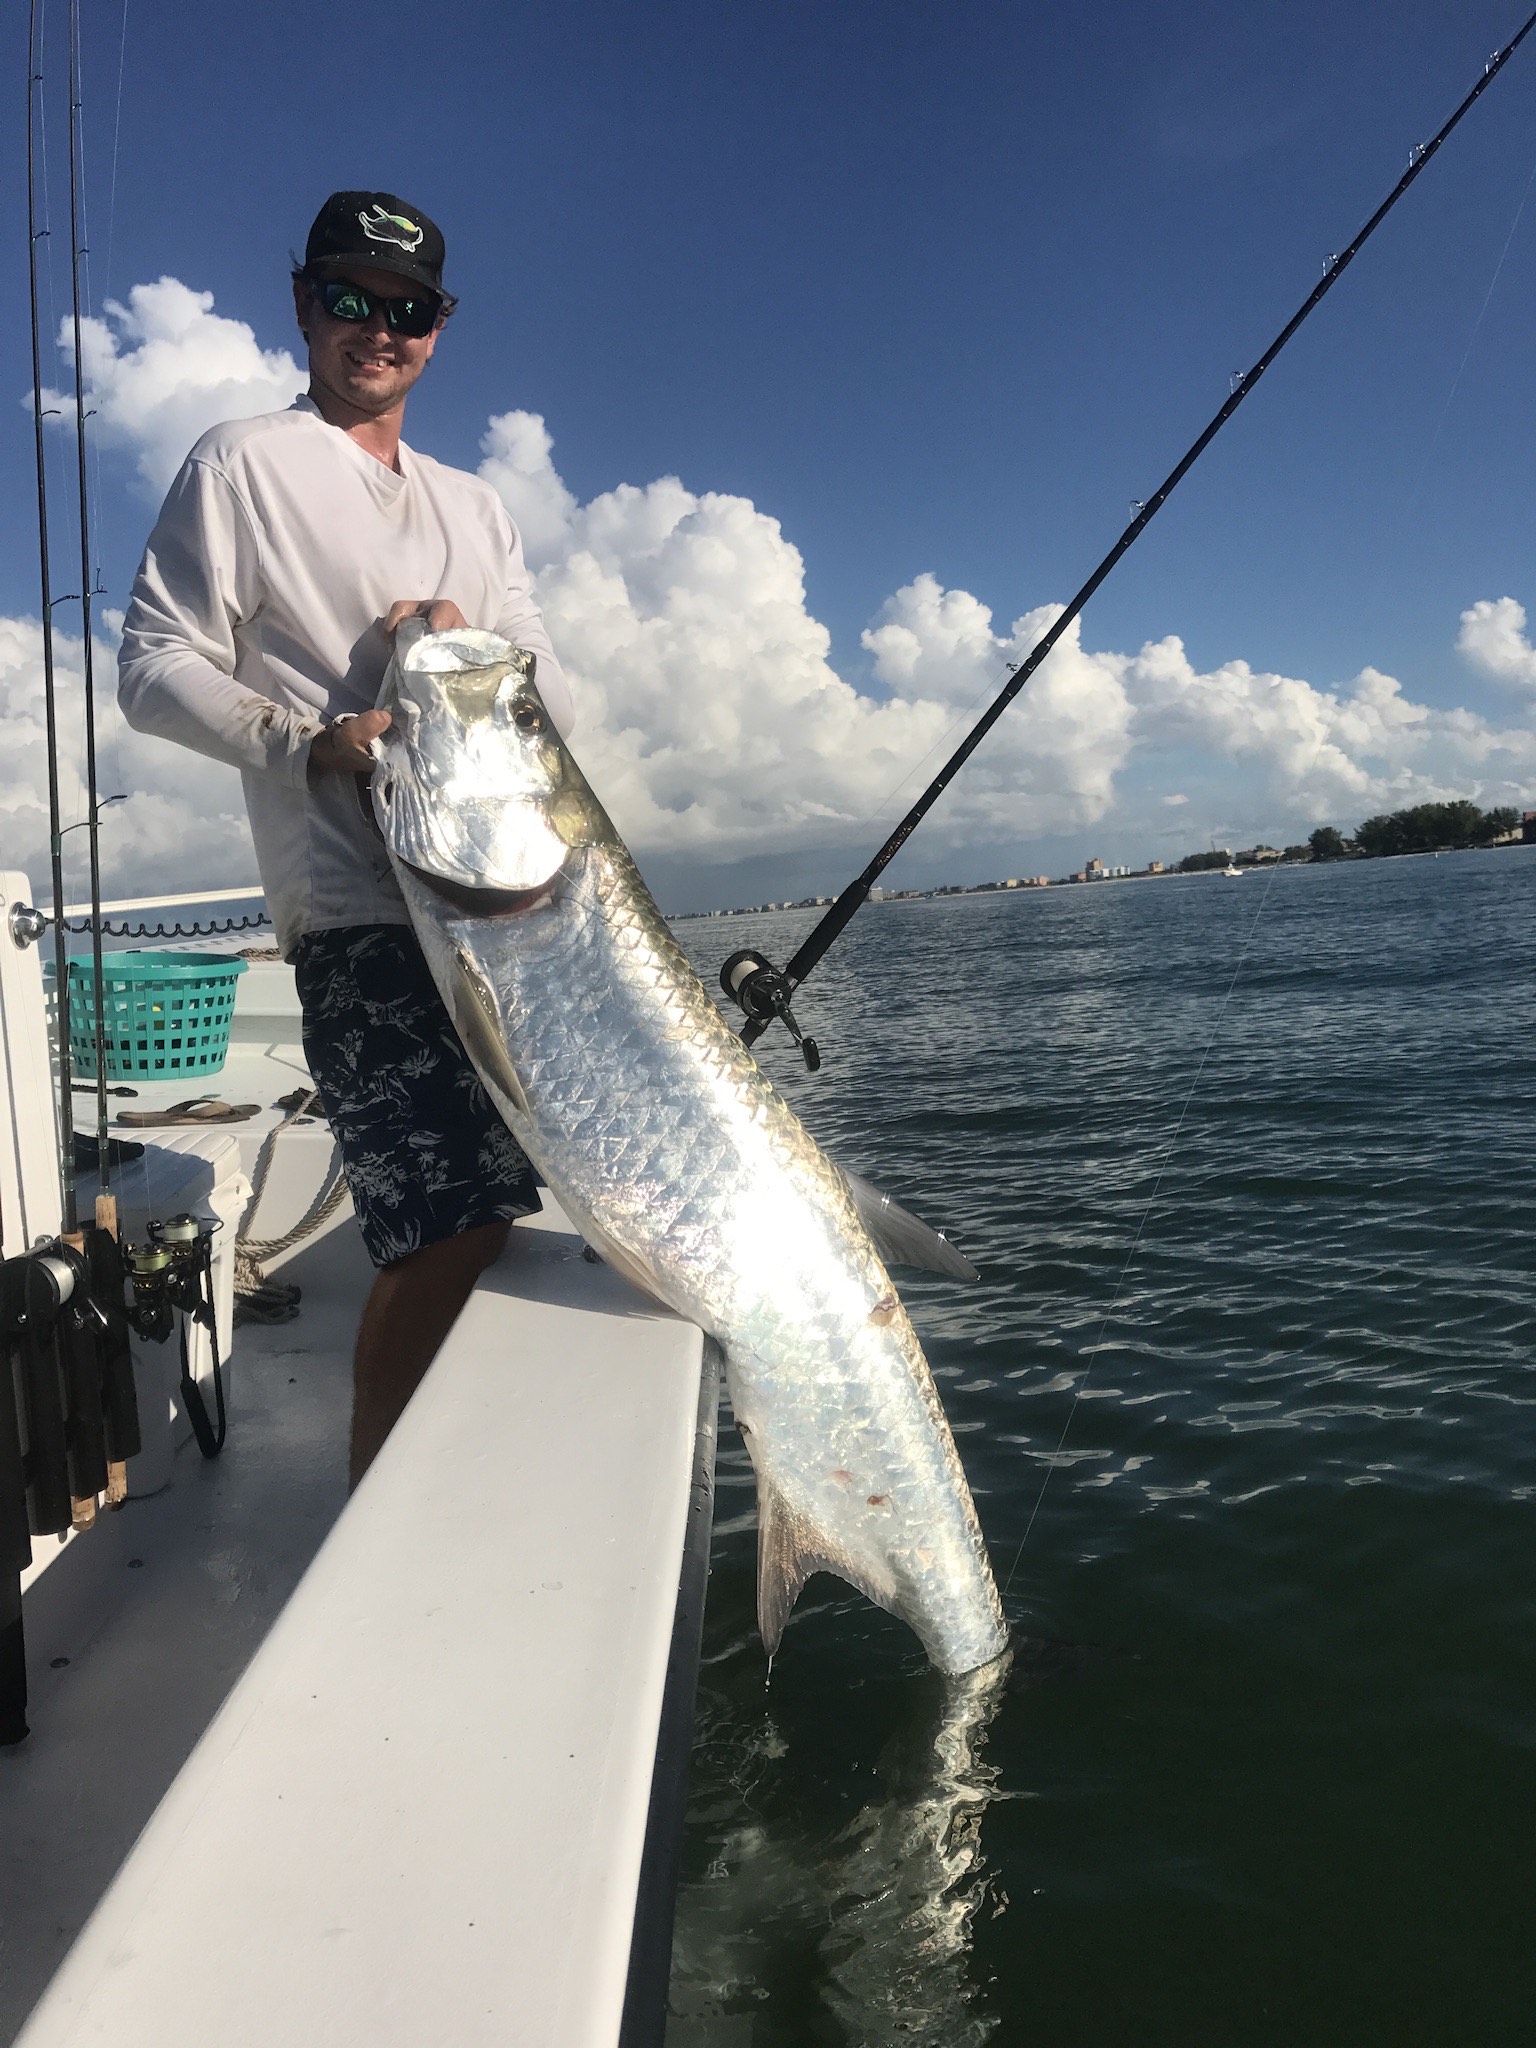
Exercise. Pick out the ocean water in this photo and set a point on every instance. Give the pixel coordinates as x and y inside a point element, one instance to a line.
<point>1247,1398</point>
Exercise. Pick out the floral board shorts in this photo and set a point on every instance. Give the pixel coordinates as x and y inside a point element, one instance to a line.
<point>425,1153</point>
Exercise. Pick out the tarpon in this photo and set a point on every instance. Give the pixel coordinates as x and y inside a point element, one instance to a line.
<point>669,1148</point>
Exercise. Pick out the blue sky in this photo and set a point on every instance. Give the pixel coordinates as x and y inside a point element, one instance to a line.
<point>940,289</point>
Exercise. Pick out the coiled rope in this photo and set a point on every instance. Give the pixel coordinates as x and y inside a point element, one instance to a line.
<point>257,1298</point>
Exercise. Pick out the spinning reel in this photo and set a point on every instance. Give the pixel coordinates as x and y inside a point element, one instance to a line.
<point>173,1271</point>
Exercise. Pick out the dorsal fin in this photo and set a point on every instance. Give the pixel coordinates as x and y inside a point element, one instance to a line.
<point>901,1238</point>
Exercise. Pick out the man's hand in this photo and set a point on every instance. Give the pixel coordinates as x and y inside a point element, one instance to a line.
<point>343,748</point>
<point>440,614</point>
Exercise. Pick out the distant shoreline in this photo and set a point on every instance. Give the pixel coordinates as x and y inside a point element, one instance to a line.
<point>947,892</point>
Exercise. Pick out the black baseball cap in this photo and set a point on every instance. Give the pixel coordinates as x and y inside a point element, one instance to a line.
<point>379,230</point>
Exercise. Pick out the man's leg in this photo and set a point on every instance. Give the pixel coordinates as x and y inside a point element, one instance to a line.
<point>434,1173</point>
<point>412,1307</point>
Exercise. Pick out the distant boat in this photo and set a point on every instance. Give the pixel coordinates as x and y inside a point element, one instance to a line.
<point>1233,870</point>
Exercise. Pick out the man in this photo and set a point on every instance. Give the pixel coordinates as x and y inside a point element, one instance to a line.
<point>288,551</point>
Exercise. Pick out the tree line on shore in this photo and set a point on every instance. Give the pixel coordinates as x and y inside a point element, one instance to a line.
<point>1421,828</point>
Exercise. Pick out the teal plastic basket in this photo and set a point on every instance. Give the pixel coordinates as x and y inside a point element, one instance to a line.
<point>166,1014</point>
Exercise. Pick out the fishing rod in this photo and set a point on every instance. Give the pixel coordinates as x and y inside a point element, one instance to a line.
<point>106,1207</point>
<point>66,1125</point>
<point>764,991</point>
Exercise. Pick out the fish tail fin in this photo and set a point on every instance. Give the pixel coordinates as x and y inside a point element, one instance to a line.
<point>788,1551</point>
<point>782,1564</point>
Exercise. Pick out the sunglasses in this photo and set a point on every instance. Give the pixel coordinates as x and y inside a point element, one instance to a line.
<point>414,315</point>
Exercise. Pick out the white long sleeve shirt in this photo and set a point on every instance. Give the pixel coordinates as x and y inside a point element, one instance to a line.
<point>256,618</point>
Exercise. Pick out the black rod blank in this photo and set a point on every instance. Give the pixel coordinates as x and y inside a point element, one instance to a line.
<point>831,927</point>
<point>93,806</point>
<point>50,698</point>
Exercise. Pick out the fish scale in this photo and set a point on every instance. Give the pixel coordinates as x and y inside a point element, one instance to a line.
<point>669,1147</point>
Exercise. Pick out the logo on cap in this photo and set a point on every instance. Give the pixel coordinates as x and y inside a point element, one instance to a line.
<point>380,226</point>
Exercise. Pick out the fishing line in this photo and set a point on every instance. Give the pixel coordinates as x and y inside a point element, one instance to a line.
<point>1477,325</point>
<point>48,448</point>
<point>117,136</point>
<point>115,722</point>
<point>1163,1164</point>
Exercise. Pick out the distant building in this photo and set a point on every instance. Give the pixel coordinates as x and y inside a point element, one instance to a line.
<point>1154,867</point>
<point>1080,876</point>
<point>1093,870</point>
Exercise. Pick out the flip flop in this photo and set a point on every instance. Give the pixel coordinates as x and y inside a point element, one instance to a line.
<point>307,1099</point>
<point>199,1109</point>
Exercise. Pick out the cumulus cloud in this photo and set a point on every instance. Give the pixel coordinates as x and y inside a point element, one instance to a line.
<point>1313,753</point>
<point>184,824</point>
<point>162,369</point>
<point>714,721</point>
<point>1493,638</point>
<point>710,715</point>
<point>712,718</point>
<point>517,447</point>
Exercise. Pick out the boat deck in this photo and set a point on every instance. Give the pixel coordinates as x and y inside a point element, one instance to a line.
<point>158,1610</point>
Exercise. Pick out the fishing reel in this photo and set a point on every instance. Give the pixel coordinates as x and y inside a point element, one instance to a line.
<point>167,1273</point>
<point>35,1288</point>
<point>762,991</point>
<point>173,1271</point>
<point>49,1287</point>
<point>64,1357</point>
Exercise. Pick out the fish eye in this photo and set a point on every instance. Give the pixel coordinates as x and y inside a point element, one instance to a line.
<point>528,717</point>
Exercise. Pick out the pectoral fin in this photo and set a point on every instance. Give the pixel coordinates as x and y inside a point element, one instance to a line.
<point>478,1025</point>
<point>901,1238</point>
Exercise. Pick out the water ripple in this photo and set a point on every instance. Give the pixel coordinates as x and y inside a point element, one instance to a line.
<point>1294,1494</point>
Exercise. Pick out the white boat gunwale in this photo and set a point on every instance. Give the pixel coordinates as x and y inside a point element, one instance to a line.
<point>648,1811</point>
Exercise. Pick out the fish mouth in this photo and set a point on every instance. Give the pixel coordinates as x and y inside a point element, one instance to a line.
<point>484,903</point>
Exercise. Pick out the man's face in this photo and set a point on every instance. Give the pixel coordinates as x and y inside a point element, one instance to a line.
<point>367,367</point>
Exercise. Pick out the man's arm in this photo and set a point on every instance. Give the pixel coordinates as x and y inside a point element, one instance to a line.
<point>200,579</point>
<point>522,623</point>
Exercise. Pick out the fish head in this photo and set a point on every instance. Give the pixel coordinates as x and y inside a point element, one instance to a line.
<point>475,790</point>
